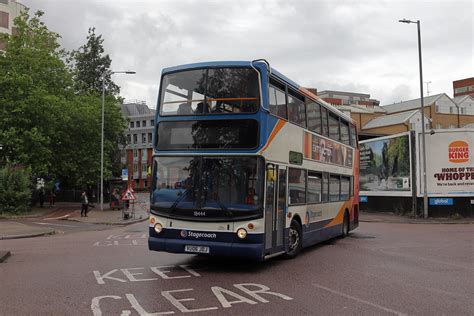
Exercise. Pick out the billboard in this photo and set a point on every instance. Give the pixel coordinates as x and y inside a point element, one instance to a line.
<point>449,163</point>
<point>385,167</point>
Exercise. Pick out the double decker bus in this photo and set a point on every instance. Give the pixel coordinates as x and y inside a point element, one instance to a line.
<point>247,163</point>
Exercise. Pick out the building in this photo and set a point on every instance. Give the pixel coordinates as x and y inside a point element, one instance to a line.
<point>393,123</point>
<point>347,98</point>
<point>373,120</point>
<point>138,153</point>
<point>9,10</point>
<point>442,111</point>
<point>463,87</point>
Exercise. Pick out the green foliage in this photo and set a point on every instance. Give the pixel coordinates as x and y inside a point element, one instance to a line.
<point>15,193</point>
<point>50,113</point>
<point>34,81</point>
<point>90,63</point>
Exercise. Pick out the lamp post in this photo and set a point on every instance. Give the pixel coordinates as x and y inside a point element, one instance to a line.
<point>102,136</point>
<point>425,195</point>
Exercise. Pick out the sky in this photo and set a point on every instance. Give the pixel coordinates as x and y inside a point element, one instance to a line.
<point>353,46</point>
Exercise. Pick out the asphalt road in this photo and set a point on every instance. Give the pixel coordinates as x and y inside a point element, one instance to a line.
<point>381,269</point>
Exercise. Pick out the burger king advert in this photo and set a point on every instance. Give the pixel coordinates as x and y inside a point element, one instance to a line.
<point>449,163</point>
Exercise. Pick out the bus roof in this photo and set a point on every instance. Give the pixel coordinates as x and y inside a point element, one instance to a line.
<point>210,64</point>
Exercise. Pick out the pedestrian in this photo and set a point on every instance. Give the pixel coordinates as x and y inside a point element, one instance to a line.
<point>52,197</point>
<point>85,204</point>
<point>41,197</point>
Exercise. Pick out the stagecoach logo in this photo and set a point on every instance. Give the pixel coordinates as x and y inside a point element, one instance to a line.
<point>458,151</point>
<point>191,234</point>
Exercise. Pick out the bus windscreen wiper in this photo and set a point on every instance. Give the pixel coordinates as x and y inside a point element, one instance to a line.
<point>178,200</point>
<point>223,207</point>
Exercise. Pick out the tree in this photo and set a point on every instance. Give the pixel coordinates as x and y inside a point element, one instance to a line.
<point>90,63</point>
<point>35,87</point>
<point>47,125</point>
<point>15,193</point>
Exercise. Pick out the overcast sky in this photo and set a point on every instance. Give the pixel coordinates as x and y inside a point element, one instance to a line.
<point>354,46</point>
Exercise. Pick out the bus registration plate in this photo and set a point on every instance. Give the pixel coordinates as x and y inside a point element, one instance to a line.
<point>196,249</point>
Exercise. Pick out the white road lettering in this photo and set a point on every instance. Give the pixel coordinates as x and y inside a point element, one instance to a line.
<point>226,297</point>
<point>100,278</point>
<point>95,305</point>
<point>162,273</point>
<point>262,289</point>
<point>131,276</point>
<point>191,271</point>
<point>218,292</point>
<point>181,307</point>
<point>128,236</point>
<point>140,310</point>
<point>121,242</point>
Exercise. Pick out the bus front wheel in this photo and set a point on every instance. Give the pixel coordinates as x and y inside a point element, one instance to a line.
<point>294,240</point>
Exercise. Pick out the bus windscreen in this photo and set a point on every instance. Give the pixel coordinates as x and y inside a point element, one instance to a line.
<point>207,188</point>
<point>210,91</point>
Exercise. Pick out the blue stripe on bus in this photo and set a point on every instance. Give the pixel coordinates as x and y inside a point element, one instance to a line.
<point>316,232</point>
<point>209,64</point>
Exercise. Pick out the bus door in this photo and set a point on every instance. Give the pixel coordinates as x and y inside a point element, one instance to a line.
<point>275,208</point>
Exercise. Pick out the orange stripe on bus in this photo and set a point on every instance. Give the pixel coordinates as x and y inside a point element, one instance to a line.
<point>340,215</point>
<point>273,134</point>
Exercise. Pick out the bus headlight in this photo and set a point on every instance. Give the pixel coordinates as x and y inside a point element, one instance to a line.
<point>158,228</point>
<point>241,233</point>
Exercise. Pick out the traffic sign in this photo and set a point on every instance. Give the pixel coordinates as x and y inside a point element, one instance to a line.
<point>128,195</point>
<point>124,174</point>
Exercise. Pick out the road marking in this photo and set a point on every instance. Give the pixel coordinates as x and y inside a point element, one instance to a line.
<point>95,305</point>
<point>182,308</point>
<point>359,300</point>
<point>252,289</point>
<point>51,224</point>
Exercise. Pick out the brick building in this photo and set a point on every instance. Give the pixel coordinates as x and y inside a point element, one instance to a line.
<point>137,155</point>
<point>463,87</point>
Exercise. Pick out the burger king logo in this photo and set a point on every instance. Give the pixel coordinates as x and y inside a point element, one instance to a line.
<point>458,151</point>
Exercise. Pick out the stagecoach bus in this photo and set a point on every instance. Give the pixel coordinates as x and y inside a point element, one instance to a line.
<point>247,163</point>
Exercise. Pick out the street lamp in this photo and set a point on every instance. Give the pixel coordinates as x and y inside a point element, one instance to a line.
<point>425,195</point>
<point>128,72</point>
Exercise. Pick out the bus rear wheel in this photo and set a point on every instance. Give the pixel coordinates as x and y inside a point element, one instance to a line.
<point>345,226</point>
<point>294,240</point>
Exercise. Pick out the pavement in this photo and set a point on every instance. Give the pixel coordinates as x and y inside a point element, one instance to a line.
<point>386,217</point>
<point>10,228</point>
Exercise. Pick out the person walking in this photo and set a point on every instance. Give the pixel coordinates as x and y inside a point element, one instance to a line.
<point>85,204</point>
<point>52,197</point>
